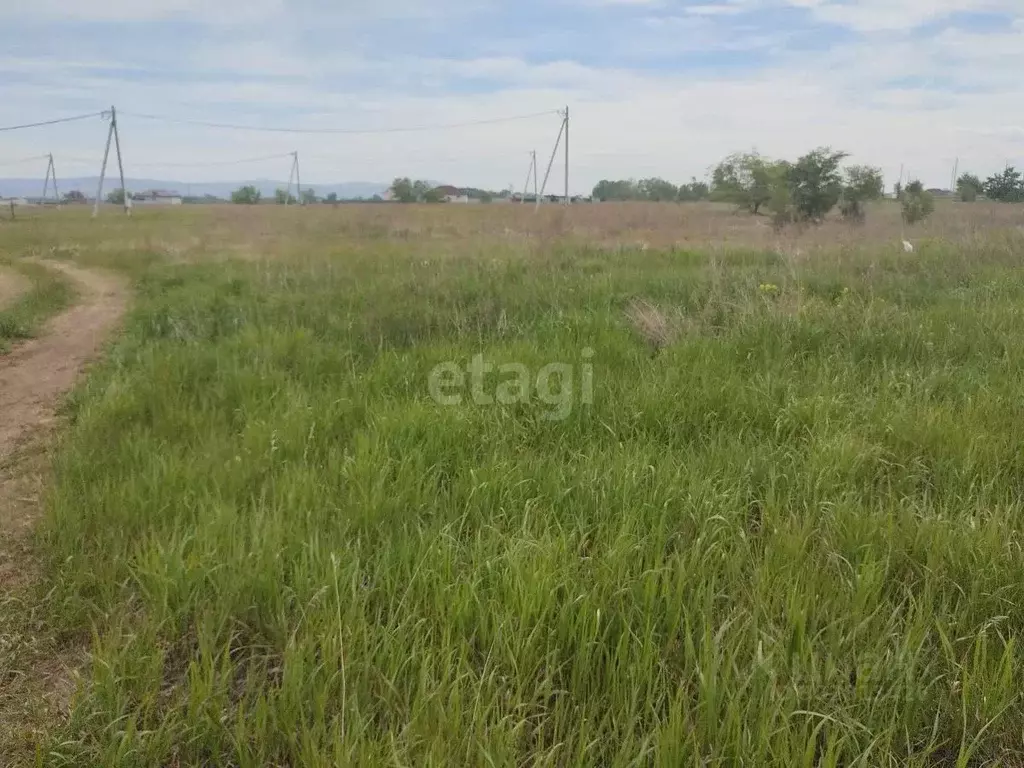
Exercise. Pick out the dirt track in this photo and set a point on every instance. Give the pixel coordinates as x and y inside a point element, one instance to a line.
<point>35,374</point>
<point>36,674</point>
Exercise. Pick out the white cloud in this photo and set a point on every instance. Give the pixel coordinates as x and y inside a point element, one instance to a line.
<point>958,94</point>
<point>876,15</point>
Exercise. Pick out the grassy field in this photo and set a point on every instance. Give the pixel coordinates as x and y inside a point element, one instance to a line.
<point>786,530</point>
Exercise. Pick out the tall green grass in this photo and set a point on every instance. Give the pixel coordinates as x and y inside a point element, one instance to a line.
<point>47,294</point>
<point>791,537</point>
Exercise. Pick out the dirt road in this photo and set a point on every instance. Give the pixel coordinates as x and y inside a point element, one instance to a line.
<point>36,672</point>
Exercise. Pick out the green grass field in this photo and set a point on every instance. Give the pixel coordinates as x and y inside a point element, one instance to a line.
<point>786,532</point>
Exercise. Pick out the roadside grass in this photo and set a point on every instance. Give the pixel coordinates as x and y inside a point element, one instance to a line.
<point>48,294</point>
<point>790,534</point>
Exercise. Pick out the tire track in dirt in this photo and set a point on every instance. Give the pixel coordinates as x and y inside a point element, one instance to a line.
<point>36,673</point>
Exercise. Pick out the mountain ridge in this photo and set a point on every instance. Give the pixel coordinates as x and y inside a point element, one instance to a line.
<point>33,187</point>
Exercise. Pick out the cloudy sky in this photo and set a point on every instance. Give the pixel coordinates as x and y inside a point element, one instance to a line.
<point>655,87</point>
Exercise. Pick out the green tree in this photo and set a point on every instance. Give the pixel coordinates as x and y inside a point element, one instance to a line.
<point>116,197</point>
<point>608,191</point>
<point>746,180</point>
<point>918,203</point>
<point>308,196</point>
<point>656,190</point>
<point>1006,187</point>
<point>968,187</point>
<point>74,196</point>
<point>694,191</point>
<point>402,190</point>
<point>863,184</point>
<point>897,190</point>
<point>332,198</point>
<point>247,195</point>
<point>282,196</point>
<point>816,183</point>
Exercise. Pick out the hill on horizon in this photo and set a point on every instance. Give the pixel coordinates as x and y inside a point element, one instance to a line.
<point>23,187</point>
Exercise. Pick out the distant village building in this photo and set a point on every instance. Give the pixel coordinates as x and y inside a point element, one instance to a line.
<point>450,194</point>
<point>156,197</point>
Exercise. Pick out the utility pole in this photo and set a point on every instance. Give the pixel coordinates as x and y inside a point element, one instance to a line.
<point>120,165</point>
<point>567,154</point>
<point>112,135</point>
<point>531,170</point>
<point>53,175</point>
<point>554,153</point>
<point>535,174</point>
<point>298,181</point>
<point>46,181</point>
<point>103,172</point>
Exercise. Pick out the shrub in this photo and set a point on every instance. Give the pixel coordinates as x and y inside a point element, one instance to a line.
<point>918,204</point>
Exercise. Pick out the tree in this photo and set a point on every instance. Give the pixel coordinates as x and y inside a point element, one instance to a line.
<point>332,198</point>
<point>1006,187</point>
<point>968,187</point>
<point>656,190</point>
<point>863,183</point>
<point>694,191</point>
<point>606,190</point>
<point>402,190</point>
<point>897,190</point>
<point>309,196</point>
<point>247,195</point>
<point>116,197</point>
<point>816,183</point>
<point>283,196</point>
<point>74,196</point>
<point>746,180</point>
<point>918,203</point>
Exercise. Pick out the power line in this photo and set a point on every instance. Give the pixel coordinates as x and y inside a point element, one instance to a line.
<point>52,122</point>
<point>348,131</point>
<point>23,160</point>
<point>240,161</point>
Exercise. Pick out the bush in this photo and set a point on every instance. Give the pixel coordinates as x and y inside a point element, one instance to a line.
<point>863,183</point>
<point>247,195</point>
<point>918,204</point>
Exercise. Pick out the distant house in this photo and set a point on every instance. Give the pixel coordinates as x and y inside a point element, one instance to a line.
<point>156,197</point>
<point>450,194</point>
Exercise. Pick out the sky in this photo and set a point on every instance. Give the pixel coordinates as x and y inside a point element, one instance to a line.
<point>654,87</point>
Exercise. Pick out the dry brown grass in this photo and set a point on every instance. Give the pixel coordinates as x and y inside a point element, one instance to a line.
<point>653,325</point>
<point>217,232</point>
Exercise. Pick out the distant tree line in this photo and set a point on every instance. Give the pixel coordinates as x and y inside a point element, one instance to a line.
<point>655,190</point>
<point>1005,187</point>
<point>805,190</point>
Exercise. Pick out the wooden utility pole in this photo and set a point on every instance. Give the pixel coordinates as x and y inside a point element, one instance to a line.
<point>298,181</point>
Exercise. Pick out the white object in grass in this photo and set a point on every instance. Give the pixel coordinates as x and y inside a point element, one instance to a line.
<point>908,247</point>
